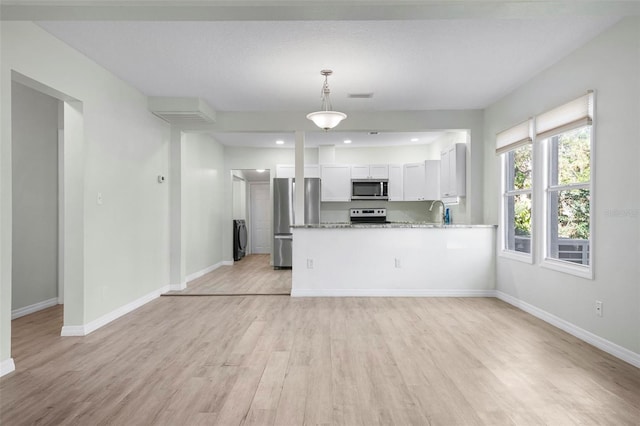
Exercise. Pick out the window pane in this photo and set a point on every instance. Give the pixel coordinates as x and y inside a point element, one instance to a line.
<point>571,157</point>
<point>519,162</point>
<point>518,223</point>
<point>569,228</point>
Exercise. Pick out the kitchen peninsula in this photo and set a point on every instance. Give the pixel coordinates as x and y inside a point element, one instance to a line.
<point>393,259</point>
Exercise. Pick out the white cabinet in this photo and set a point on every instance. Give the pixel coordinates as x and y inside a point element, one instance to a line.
<point>396,187</point>
<point>453,174</point>
<point>311,171</point>
<point>370,171</point>
<point>421,181</point>
<point>289,171</point>
<point>336,182</point>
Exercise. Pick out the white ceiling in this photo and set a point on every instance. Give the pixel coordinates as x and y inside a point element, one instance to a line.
<point>271,65</point>
<point>275,66</point>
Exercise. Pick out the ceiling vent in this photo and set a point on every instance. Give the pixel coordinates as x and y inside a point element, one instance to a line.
<point>360,95</point>
<point>182,110</point>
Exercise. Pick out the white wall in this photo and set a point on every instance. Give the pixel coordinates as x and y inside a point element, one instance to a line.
<point>35,197</point>
<point>383,155</point>
<point>203,191</point>
<point>609,64</point>
<point>126,240</point>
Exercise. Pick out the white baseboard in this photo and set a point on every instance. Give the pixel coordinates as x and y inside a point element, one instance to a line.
<point>178,287</point>
<point>20,312</point>
<point>7,366</point>
<point>83,330</point>
<point>582,334</point>
<point>374,292</point>
<point>211,268</point>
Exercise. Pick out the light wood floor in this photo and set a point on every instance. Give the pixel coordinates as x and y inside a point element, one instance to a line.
<point>251,275</point>
<point>262,360</point>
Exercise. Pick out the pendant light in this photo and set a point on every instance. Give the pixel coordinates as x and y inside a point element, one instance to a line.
<point>326,119</point>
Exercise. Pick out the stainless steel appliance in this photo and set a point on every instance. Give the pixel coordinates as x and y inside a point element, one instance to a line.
<point>368,215</point>
<point>284,215</point>
<point>369,189</point>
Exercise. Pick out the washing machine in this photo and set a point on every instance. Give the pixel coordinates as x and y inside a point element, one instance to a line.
<point>239,239</point>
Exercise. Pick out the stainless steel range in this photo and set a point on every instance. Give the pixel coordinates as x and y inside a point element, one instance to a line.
<point>368,215</point>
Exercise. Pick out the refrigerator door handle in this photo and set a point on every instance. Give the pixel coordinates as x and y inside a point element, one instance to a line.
<point>283,237</point>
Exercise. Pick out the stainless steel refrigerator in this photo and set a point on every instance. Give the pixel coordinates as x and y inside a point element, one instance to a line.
<point>284,215</point>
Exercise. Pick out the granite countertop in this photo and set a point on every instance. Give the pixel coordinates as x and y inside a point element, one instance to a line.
<point>342,225</point>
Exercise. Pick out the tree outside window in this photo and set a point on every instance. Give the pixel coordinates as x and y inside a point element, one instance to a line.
<point>517,199</point>
<point>569,197</point>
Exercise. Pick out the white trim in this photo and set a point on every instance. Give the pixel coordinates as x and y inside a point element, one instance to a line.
<point>582,334</point>
<point>568,267</point>
<point>205,271</point>
<point>60,205</point>
<point>20,312</point>
<point>83,330</point>
<point>516,255</point>
<point>178,287</point>
<point>375,292</point>
<point>7,366</point>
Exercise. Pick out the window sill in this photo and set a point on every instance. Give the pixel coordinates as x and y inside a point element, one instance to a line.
<point>515,255</point>
<point>568,268</point>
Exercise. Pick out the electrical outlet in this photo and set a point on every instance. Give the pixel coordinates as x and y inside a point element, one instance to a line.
<point>309,263</point>
<point>598,308</point>
<point>99,198</point>
<point>397,263</point>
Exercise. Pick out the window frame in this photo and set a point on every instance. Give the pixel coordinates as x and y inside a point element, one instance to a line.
<point>504,221</point>
<point>583,271</point>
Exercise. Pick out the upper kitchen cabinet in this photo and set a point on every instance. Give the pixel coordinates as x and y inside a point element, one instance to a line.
<point>422,181</point>
<point>289,171</point>
<point>396,187</point>
<point>453,175</point>
<point>370,171</point>
<point>312,171</point>
<point>336,182</point>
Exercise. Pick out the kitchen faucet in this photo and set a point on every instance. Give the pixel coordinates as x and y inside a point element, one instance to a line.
<point>431,208</point>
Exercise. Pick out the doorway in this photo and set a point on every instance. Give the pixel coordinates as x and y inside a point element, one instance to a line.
<point>260,218</point>
<point>64,130</point>
<point>35,193</point>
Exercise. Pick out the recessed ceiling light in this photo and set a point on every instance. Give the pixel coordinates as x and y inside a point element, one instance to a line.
<point>414,139</point>
<point>279,142</point>
<point>260,170</point>
<point>373,133</point>
<point>347,141</point>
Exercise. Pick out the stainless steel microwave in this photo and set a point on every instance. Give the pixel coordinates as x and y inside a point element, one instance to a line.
<point>369,189</point>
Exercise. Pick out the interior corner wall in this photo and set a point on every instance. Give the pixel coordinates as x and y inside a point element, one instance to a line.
<point>204,188</point>
<point>126,238</point>
<point>610,65</point>
<point>35,197</point>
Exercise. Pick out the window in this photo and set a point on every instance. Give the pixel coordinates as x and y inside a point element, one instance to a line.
<point>515,146</point>
<point>561,180</point>
<point>566,134</point>
<point>569,196</point>
<point>517,199</point>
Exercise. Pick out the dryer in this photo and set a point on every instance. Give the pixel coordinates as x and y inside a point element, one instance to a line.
<point>239,239</point>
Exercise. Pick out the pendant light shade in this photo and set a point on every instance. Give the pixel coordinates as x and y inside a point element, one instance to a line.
<point>326,118</point>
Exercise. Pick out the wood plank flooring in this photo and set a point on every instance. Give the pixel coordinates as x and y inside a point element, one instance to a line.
<point>264,360</point>
<point>250,275</point>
